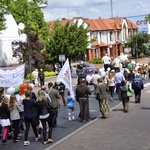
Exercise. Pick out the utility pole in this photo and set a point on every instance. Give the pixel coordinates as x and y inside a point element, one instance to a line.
<point>111,5</point>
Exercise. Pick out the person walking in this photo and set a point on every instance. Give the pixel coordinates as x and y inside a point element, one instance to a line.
<point>41,77</point>
<point>30,111</point>
<point>21,111</point>
<point>137,86</point>
<point>61,88</point>
<point>111,84</point>
<point>35,80</point>
<point>45,116</point>
<point>82,96</point>
<point>118,78</point>
<point>107,61</point>
<point>122,94</point>
<point>103,102</point>
<point>55,98</point>
<point>70,104</point>
<point>4,119</point>
<point>95,76</point>
<point>14,116</point>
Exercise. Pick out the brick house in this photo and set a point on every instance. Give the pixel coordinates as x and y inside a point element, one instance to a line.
<point>110,35</point>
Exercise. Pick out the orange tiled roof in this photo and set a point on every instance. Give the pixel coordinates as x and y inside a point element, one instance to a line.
<point>108,24</point>
<point>102,23</point>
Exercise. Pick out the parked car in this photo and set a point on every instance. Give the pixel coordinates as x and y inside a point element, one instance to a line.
<point>83,65</point>
<point>89,71</point>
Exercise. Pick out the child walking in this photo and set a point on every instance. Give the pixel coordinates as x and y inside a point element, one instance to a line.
<point>70,104</point>
<point>4,121</point>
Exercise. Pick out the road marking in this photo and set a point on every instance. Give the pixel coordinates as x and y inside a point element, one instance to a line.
<point>78,130</point>
<point>86,125</point>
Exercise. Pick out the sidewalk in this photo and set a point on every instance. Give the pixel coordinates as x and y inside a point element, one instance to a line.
<point>120,131</point>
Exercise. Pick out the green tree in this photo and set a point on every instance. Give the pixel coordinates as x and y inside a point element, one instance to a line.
<point>139,44</point>
<point>29,13</point>
<point>31,50</point>
<point>69,39</point>
<point>3,11</point>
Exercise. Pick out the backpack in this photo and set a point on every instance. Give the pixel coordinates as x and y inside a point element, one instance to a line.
<point>137,85</point>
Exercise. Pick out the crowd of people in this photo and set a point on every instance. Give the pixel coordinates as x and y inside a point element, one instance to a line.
<point>118,76</point>
<point>40,111</point>
<point>19,111</point>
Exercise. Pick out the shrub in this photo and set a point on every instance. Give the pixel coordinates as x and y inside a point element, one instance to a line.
<point>141,55</point>
<point>28,76</point>
<point>96,61</point>
<point>48,74</point>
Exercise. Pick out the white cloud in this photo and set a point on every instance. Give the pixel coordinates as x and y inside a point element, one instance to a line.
<point>58,9</point>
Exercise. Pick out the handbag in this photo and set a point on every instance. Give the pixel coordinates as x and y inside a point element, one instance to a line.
<point>129,93</point>
<point>50,108</point>
<point>97,96</point>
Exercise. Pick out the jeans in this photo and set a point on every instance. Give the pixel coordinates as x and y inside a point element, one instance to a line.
<point>27,125</point>
<point>49,121</point>
<point>137,96</point>
<point>21,127</point>
<point>111,89</point>
<point>54,117</point>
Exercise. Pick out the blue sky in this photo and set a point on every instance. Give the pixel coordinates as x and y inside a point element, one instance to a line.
<point>58,9</point>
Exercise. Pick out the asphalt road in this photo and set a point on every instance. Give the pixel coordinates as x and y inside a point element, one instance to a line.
<point>64,127</point>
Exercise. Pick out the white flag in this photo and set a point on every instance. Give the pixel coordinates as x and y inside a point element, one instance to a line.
<point>64,76</point>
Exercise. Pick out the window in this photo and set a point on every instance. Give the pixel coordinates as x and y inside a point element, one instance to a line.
<point>118,35</point>
<point>111,35</point>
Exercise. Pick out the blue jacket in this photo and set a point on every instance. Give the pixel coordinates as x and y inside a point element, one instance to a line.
<point>70,102</point>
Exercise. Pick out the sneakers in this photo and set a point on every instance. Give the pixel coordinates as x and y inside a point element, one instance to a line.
<point>111,99</point>
<point>26,143</point>
<point>15,141</point>
<point>37,139</point>
<point>50,141</point>
<point>4,141</point>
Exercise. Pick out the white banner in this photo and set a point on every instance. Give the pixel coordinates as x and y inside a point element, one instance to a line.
<point>64,76</point>
<point>11,76</point>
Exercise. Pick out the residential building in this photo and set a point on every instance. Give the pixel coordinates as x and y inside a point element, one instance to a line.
<point>106,35</point>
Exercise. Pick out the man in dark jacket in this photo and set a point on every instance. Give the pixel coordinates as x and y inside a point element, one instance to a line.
<point>41,77</point>
<point>82,96</point>
<point>61,88</point>
<point>137,86</point>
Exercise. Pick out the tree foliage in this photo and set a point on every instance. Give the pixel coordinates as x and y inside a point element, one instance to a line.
<point>139,44</point>
<point>31,50</point>
<point>3,10</point>
<point>70,40</point>
<point>36,29</point>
